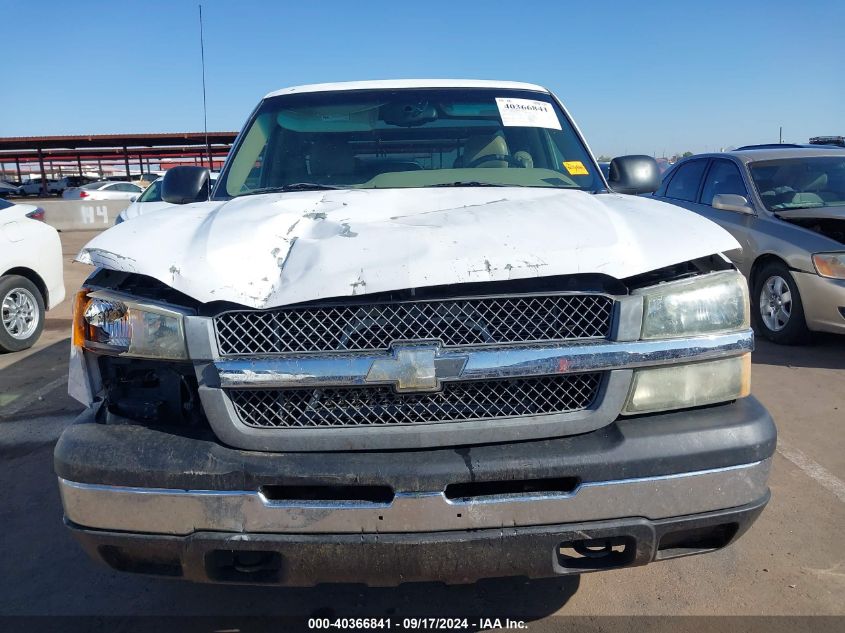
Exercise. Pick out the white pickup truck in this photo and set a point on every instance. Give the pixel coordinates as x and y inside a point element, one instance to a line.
<point>414,334</point>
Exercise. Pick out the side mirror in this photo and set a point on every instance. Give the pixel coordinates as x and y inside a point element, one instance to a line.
<point>731,202</point>
<point>634,175</point>
<point>182,185</point>
<point>133,198</point>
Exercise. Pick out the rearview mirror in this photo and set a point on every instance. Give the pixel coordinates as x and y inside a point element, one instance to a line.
<point>182,185</point>
<point>731,202</point>
<point>634,174</point>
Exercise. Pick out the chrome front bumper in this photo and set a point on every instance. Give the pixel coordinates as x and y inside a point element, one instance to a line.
<point>182,512</point>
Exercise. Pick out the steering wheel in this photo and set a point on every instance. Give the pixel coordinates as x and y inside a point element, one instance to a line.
<point>510,160</point>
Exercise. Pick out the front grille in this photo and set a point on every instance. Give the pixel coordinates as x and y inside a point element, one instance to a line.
<point>454,322</point>
<point>381,406</point>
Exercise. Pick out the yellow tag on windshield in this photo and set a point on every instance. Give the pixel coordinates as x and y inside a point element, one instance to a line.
<point>575,168</point>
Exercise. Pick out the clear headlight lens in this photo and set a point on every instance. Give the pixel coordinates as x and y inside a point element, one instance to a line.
<point>113,325</point>
<point>691,385</point>
<point>716,302</point>
<point>830,265</point>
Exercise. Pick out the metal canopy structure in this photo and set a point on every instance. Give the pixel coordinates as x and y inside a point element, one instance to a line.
<point>130,149</point>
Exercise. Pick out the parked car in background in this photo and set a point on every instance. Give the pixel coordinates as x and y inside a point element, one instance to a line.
<point>786,208</point>
<point>68,182</point>
<point>32,187</point>
<point>412,336</point>
<point>30,274</point>
<point>838,141</point>
<point>8,189</point>
<point>146,179</point>
<point>104,190</point>
<point>151,200</point>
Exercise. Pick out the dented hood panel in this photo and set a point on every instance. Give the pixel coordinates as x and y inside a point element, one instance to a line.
<point>277,249</point>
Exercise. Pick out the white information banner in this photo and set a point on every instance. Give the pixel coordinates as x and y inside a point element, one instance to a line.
<point>527,113</point>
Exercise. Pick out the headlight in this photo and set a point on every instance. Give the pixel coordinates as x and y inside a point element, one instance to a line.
<point>690,385</point>
<point>111,324</point>
<point>830,265</point>
<point>716,302</point>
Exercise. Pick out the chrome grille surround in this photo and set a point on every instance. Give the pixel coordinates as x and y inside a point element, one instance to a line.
<point>460,322</point>
<point>427,370</point>
<point>380,405</point>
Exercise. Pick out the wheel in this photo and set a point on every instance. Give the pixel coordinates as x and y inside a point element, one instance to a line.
<point>777,307</point>
<point>21,313</point>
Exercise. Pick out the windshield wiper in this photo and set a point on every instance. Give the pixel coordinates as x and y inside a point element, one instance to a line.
<point>471,183</point>
<point>799,206</point>
<point>294,186</point>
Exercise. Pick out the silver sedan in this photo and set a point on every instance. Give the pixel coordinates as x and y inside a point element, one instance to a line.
<point>786,207</point>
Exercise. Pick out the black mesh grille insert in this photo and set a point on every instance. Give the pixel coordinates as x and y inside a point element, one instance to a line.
<point>381,406</point>
<point>455,322</point>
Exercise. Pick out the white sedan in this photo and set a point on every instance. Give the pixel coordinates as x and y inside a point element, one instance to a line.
<point>104,190</point>
<point>30,274</point>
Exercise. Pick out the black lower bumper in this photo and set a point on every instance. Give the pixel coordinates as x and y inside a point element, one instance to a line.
<point>392,559</point>
<point>129,454</point>
<point>148,500</point>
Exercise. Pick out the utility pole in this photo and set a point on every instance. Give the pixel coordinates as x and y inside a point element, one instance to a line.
<point>780,135</point>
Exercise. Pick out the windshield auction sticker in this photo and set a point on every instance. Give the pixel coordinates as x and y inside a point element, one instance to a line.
<point>575,168</point>
<point>527,113</point>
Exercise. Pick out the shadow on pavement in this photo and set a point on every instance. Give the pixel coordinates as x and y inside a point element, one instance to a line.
<point>822,351</point>
<point>514,598</point>
<point>21,381</point>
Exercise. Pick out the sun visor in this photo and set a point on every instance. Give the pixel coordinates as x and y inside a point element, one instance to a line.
<point>341,118</point>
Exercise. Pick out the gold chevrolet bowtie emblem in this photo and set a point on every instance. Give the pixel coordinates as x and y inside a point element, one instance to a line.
<point>413,368</point>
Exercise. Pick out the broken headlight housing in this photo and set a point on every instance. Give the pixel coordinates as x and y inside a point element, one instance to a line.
<point>113,324</point>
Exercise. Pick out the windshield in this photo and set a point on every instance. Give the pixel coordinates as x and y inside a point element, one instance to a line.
<point>152,193</point>
<point>377,139</point>
<point>800,183</point>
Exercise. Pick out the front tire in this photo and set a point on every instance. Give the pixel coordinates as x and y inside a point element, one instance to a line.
<point>777,307</point>
<point>21,313</point>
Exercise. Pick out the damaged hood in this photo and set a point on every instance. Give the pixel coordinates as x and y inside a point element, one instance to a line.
<point>276,249</point>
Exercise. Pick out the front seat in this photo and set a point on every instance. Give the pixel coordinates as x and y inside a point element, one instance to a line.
<point>481,146</point>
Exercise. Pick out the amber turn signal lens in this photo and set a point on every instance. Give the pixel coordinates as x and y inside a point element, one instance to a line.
<point>80,303</point>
